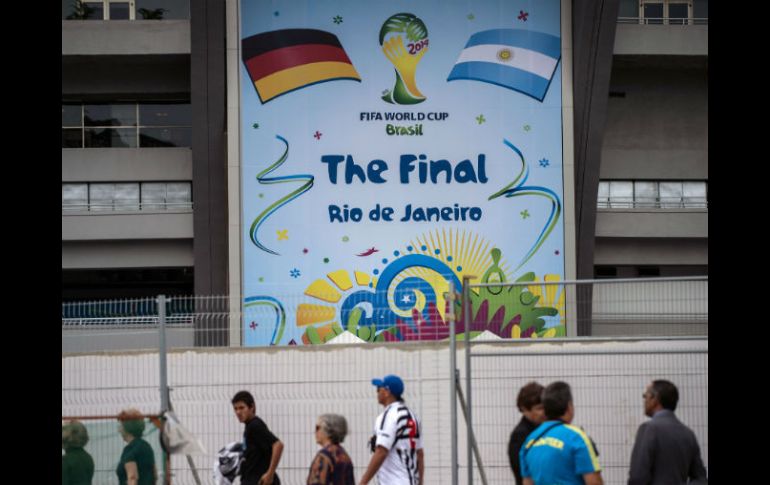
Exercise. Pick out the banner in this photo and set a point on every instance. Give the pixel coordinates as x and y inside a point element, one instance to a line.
<point>387,150</point>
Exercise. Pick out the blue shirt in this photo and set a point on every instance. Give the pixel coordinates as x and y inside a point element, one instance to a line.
<point>561,456</point>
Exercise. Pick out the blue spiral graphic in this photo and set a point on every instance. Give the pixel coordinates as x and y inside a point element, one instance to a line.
<point>374,303</point>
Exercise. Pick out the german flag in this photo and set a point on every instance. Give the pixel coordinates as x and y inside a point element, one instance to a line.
<point>282,61</point>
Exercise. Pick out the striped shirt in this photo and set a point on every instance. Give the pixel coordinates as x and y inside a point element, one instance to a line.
<point>399,431</point>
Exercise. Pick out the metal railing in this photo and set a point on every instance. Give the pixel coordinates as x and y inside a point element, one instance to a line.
<point>527,309</point>
<point>663,21</point>
<point>652,203</point>
<point>123,206</point>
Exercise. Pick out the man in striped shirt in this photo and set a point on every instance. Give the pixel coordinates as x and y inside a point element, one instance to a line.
<point>557,452</point>
<point>397,443</point>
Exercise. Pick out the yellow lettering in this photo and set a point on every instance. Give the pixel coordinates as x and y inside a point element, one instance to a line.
<point>552,442</point>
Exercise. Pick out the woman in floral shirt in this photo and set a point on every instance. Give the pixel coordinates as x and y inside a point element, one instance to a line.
<point>331,465</point>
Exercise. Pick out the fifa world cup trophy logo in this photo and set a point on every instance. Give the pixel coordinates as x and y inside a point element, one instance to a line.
<point>404,40</point>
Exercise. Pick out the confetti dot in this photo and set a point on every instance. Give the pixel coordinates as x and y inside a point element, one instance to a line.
<point>437,251</point>
<point>449,258</point>
<point>409,248</point>
<point>384,261</point>
<point>424,248</point>
<point>370,284</point>
<point>396,253</point>
<point>261,279</point>
<point>345,239</point>
<point>261,195</point>
<point>326,260</point>
<point>459,268</point>
<point>277,13</point>
<point>305,251</point>
<point>376,271</point>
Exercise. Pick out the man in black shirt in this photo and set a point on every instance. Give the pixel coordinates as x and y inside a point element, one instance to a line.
<point>531,407</point>
<point>263,449</point>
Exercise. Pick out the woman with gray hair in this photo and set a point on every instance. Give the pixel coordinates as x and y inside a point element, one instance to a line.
<point>77,466</point>
<point>332,464</point>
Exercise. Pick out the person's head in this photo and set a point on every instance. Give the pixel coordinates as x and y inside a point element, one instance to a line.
<point>660,394</point>
<point>330,428</point>
<point>530,403</point>
<point>557,401</point>
<point>131,423</point>
<point>73,435</point>
<point>243,405</point>
<point>389,389</point>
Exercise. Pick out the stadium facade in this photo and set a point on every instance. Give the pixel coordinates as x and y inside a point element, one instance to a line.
<point>150,183</point>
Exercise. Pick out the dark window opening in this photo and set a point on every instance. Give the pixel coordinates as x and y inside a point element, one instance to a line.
<point>107,284</point>
<point>601,272</point>
<point>648,271</point>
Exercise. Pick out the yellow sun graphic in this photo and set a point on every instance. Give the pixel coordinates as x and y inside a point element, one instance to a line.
<point>331,292</point>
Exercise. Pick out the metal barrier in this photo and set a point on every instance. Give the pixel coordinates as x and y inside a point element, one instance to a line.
<point>293,385</point>
<point>527,308</point>
<point>190,352</point>
<point>663,20</point>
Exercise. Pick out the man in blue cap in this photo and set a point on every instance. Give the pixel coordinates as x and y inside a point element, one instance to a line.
<point>397,442</point>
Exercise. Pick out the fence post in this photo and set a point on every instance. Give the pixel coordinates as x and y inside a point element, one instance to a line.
<point>453,377</point>
<point>467,323</point>
<point>162,353</point>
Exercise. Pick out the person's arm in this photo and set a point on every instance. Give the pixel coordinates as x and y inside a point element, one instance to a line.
<point>513,456</point>
<point>375,463</point>
<point>421,465</point>
<point>64,474</point>
<point>697,471</point>
<point>267,478</point>
<point>154,473</point>
<point>320,470</point>
<point>514,449</point>
<point>641,457</point>
<point>132,473</point>
<point>594,478</point>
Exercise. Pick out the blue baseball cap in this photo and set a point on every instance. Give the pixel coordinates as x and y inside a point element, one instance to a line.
<point>392,383</point>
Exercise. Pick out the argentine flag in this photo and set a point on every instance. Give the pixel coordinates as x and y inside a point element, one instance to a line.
<point>521,60</point>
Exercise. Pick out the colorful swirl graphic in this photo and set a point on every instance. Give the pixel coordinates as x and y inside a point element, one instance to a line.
<point>262,179</point>
<point>280,314</point>
<point>517,188</point>
<point>375,306</point>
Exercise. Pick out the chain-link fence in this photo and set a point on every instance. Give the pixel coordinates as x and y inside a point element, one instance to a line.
<point>115,356</point>
<point>293,385</point>
<point>522,309</point>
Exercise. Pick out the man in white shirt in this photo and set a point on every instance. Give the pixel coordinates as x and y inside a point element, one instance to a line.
<point>397,443</point>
